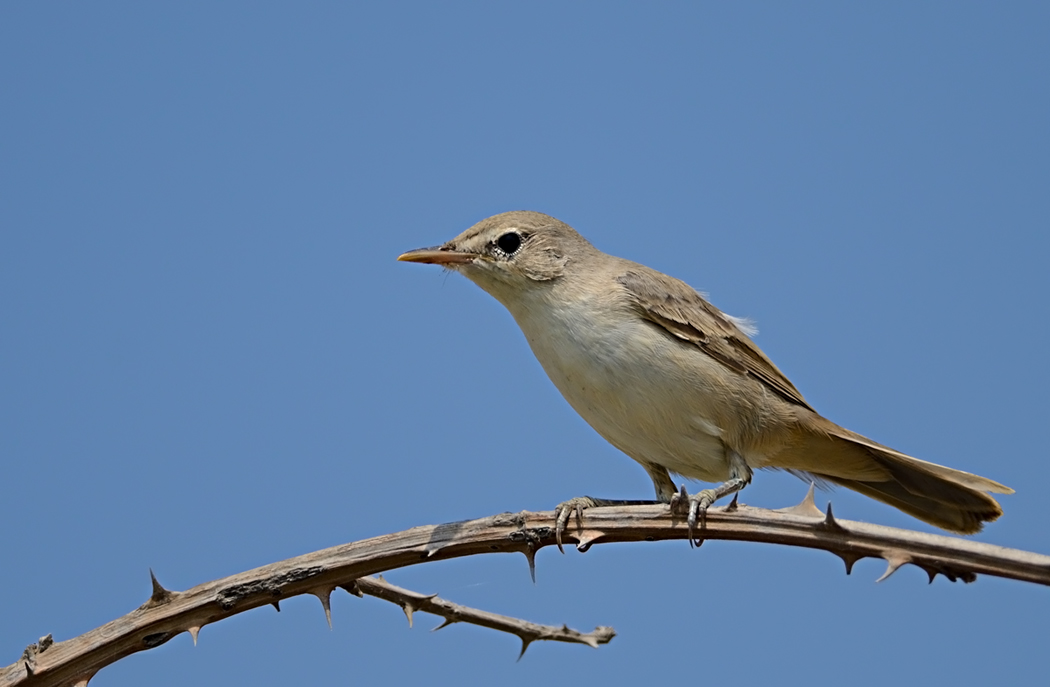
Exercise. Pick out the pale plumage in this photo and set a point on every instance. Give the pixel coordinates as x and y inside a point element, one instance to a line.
<point>677,384</point>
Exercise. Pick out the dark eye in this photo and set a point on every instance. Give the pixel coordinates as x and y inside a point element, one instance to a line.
<point>509,243</point>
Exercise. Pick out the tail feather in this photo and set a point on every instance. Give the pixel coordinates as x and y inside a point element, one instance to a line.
<point>954,518</point>
<point>951,499</point>
<point>890,456</point>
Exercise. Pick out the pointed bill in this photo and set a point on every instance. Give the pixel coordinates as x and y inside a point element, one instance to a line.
<point>437,255</point>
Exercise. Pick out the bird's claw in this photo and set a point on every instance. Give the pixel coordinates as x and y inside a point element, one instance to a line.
<point>695,507</point>
<point>564,510</point>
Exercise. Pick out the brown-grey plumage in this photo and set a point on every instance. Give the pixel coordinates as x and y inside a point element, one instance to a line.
<point>676,383</point>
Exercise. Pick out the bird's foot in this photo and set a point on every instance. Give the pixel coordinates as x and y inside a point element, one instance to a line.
<point>565,509</point>
<point>695,506</point>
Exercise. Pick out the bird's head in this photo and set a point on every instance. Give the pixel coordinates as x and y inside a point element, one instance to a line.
<point>510,253</point>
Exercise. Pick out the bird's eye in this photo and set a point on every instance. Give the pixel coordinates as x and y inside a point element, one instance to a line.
<point>509,243</point>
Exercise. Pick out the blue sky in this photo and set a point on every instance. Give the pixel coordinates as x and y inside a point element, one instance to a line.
<point>210,360</point>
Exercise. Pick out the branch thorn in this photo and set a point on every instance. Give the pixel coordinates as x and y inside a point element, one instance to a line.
<point>807,507</point>
<point>194,631</point>
<point>525,641</point>
<point>160,594</point>
<point>352,589</point>
<point>829,521</point>
<point>591,640</point>
<point>409,609</point>
<point>849,559</point>
<point>893,563</point>
<point>277,605</point>
<point>530,556</point>
<point>324,594</point>
<point>444,623</point>
<point>585,538</point>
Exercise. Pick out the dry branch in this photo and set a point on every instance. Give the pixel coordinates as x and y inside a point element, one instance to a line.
<point>527,632</point>
<point>167,613</point>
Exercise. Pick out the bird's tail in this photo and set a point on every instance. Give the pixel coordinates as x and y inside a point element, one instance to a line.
<point>951,499</point>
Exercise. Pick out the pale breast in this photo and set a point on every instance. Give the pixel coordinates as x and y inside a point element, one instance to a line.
<point>646,394</point>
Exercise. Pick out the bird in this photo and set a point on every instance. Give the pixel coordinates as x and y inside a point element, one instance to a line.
<point>677,384</point>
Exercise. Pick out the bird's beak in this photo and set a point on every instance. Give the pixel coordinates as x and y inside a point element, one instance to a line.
<point>438,255</point>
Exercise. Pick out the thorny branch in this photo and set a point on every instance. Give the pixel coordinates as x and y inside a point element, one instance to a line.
<point>167,613</point>
<point>454,613</point>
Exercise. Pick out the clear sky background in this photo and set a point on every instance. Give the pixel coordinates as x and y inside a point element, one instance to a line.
<point>210,360</point>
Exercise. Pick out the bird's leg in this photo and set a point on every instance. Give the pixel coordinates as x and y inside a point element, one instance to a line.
<point>698,503</point>
<point>665,492</point>
<point>662,482</point>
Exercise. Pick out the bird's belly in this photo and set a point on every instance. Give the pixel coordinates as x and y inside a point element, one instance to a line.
<point>628,382</point>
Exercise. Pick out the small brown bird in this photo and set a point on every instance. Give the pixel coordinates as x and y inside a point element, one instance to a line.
<point>676,384</point>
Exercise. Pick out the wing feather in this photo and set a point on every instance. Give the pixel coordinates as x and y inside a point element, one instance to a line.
<point>683,313</point>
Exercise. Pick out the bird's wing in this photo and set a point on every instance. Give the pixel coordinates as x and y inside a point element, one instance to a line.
<point>683,313</point>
